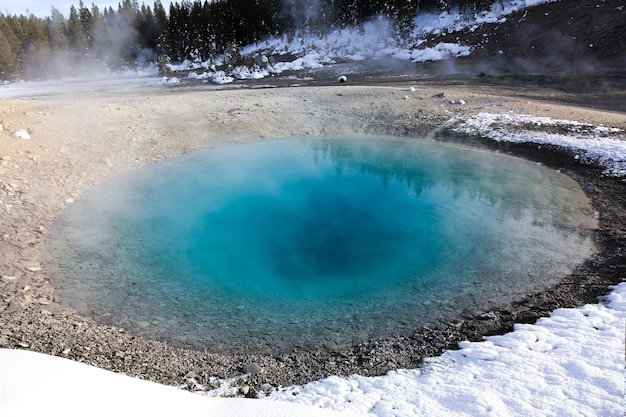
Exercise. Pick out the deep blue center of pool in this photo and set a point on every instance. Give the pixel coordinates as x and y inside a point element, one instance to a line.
<point>298,243</point>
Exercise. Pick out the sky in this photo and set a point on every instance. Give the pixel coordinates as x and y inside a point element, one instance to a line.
<point>41,8</point>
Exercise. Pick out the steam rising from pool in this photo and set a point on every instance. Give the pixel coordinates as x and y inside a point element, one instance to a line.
<point>277,245</point>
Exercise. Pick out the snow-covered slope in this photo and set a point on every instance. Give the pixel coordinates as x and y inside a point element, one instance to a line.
<point>33,384</point>
<point>373,41</point>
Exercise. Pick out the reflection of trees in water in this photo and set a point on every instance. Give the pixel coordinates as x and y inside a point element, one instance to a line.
<point>513,186</point>
<point>421,166</point>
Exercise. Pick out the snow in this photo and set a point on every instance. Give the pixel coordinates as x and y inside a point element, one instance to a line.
<point>33,384</point>
<point>20,134</point>
<point>374,40</point>
<point>569,364</point>
<point>599,145</point>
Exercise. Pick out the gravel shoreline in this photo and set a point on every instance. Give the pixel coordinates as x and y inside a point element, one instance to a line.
<point>78,141</point>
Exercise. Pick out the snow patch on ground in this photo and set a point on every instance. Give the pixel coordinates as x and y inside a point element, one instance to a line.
<point>597,145</point>
<point>33,384</point>
<point>569,364</point>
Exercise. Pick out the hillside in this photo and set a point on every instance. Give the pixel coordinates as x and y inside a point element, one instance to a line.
<point>575,36</point>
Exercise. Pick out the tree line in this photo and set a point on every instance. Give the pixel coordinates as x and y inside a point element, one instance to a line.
<point>30,46</point>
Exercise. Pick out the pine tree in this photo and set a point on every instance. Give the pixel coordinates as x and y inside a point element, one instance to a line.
<point>9,66</point>
<point>56,29</point>
<point>75,33</point>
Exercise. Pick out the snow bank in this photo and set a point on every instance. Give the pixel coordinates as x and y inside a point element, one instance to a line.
<point>569,364</point>
<point>599,145</point>
<point>33,384</point>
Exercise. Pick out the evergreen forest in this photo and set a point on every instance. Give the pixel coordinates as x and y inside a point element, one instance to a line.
<point>133,34</point>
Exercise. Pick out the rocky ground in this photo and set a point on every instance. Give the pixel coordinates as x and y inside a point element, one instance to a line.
<point>77,141</point>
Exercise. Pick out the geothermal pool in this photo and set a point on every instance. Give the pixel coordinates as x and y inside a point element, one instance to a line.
<point>310,243</point>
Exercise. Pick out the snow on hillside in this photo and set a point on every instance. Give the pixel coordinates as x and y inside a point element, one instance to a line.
<point>373,41</point>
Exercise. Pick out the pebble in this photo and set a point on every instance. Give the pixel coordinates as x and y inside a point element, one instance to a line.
<point>252,368</point>
<point>20,134</point>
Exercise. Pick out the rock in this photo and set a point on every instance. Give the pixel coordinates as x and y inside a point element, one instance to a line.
<point>34,268</point>
<point>20,134</point>
<point>342,79</point>
<point>412,89</point>
<point>252,368</point>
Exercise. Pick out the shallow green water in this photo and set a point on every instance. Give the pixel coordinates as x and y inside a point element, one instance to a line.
<point>283,244</point>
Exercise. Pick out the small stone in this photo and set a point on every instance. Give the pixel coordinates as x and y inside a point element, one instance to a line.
<point>342,79</point>
<point>20,134</point>
<point>412,89</point>
<point>252,368</point>
<point>34,268</point>
<point>8,278</point>
<point>244,390</point>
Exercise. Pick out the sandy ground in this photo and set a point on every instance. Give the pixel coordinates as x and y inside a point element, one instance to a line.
<point>80,139</point>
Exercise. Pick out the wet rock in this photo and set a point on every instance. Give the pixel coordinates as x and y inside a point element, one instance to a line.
<point>489,316</point>
<point>252,368</point>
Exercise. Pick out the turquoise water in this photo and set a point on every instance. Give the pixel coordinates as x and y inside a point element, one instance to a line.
<point>286,244</point>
